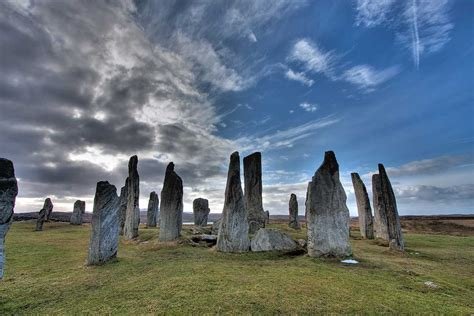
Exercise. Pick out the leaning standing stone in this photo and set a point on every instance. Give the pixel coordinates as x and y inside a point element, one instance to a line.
<point>293,210</point>
<point>43,214</point>
<point>253,191</point>
<point>394,228</point>
<point>152,211</point>
<point>234,229</point>
<point>380,218</point>
<point>366,225</point>
<point>79,209</point>
<point>132,216</point>
<point>326,212</point>
<point>201,211</point>
<point>8,193</point>
<point>105,225</point>
<point>171,207</point>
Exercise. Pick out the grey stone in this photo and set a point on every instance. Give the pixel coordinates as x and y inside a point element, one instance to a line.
<point>234,227</point>
<point>366,222</point>
<point>78,210</point>
<point>8,193</point>
<point>267,218</point>
<point>293,210</point>
<point>380,218</point>
<point>201,211</point>
<point>153,209</point>
<point>123,206</point>
<point>132,215</point>
<point>395,235</point>
<point>215,226</point>
<point>171,207</point>
<point>43,214</point>
<point>327,214</point>
<point>272,240</point>
<point>253,191</point>
<point>104,239</point>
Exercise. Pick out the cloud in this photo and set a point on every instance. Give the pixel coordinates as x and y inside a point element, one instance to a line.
<point>429,166</point>
<point>371,13</point>
<point>308,107</point>
<point>300,77</point>
<point>312,57</point>
<point>367,78</point>
<point>435,193</point>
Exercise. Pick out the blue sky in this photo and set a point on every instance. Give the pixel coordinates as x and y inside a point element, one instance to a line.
<point>376,81</point>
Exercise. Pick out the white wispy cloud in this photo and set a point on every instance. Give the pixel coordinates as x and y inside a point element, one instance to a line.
<point>371,13</point>
<point>312,57</point>
<point>308,107</point>
<point>367,78</point>
<point>300,77</point>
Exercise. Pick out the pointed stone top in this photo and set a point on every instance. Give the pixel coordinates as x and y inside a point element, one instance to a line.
<point>382,169</point>
<point>152,193</point>
<point>170,167</point>
<point>355,176</point>
<point>330,163</point>
<point>293,196</point>
<point>234,155</point>
<point>132,163</point>
<point>6,168</point>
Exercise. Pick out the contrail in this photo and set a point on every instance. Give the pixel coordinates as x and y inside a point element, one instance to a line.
<point>415,37</point>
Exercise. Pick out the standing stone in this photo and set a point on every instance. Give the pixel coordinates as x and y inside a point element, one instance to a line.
<point>364,210</point>
<point>43,214</point>
<point>48,206</point>
<point>253,192</point>
<point>393,220</point>
<point>267,217</point>
<point>234,229</point>
<point>327,213</point>
<point>215,226</point>
<point>123,206</point>
<point>201,211</point>
<point>8,193</point>
<point>152,211</point>
<point>380,218</point>
<point>171,207</point>
<point>293,210</point>
<point>79,209</point>
<point>105,224</point>
<point>132,216</point>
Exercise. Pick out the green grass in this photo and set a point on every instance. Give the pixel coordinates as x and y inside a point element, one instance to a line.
<point>45,274</point>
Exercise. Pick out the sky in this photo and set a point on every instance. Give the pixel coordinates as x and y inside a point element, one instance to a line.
<point>84,85</point>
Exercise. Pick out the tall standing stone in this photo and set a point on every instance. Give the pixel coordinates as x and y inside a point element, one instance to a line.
<point>171,207</point>
<point>103,244</point>
<point>132,216</point>
<point>380,217</point>
<point>253,192</point>
<point>267,217</point>
<point>201,211</point>
<point>293,210</point>
<point>391,211</point>
<point>366,225</point>
<point>8,193</point>
<point>77,212</point>
<point>123,206</point>
<point>234,229</point>
<point>43,214</point>
<point>152,211</point>
<point>326,212</point>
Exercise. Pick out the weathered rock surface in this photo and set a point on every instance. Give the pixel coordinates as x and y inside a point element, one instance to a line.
<point>171,208</point>
<point>272,240</point>
<point>234,227</point>
<point>152,211</point>
<point>293,210</point>
<point>395,235</point>
<point>253,191</point>
<point>123,206</point>
<point>77,212</point>
<point>204,240</point>
<point>366,225</point>
<point>215,226</point>
<point>8,193</point>
<point>327,214</point>
<point>43,214</point>
<point>132,216</point>
<point>201,211</point>
<point>103,244</point>
<point>380,218</point>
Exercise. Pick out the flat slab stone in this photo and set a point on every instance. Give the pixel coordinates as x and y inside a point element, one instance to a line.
<point>293,212</point>
<point>171,207</point>
<point>200,211</point>
<point>77,212</point>
<point>153,210</point>
<point>272,240</point>
<point>253,191</point>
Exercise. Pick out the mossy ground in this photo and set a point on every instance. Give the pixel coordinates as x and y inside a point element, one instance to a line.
<point>45,274</point>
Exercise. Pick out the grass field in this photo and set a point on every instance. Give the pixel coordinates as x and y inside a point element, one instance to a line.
<point>45,274</point>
